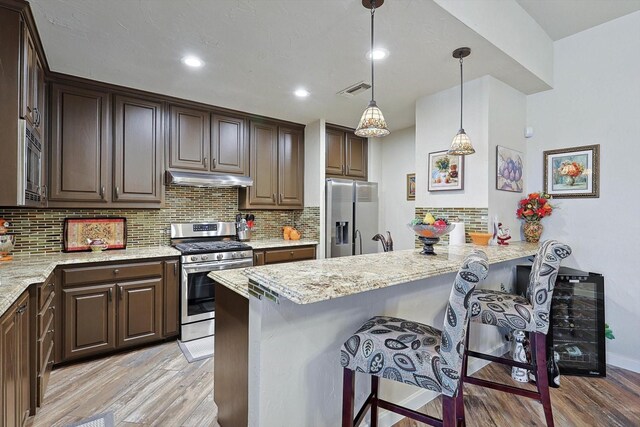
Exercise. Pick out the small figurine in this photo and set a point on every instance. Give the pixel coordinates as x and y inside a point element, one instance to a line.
<point>503,235</point>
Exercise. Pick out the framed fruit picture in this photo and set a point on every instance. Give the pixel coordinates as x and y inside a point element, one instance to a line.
<point>509,169</point>
<point>446,171</point>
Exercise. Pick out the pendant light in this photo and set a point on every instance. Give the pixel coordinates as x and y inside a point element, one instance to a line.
<point>372,123</point>
<point>461,144</point>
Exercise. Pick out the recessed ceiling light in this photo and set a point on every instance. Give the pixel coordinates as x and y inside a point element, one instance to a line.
<point>301,93</point>
<point>192,61</point>
<point>378,53</point>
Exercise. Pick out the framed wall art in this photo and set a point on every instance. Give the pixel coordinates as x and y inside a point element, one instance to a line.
<point>411,186</point>
<point>446,172</point>
<point>509,169</point>
<point>572,172</point>
<point>77,232</point>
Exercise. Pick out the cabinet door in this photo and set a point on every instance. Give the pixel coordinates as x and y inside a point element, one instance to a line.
<point>357,156</point>
<point>138,150</point>
<point>80,145</point>
<point>28,95</point>
<point>290,167</point>
<point>139,311</point>
<point>89,321</point>
<point>229,150</point>
<point>264,164</point>
<point>335,152</point>
<point>23,348</point>
<point>171,297</point>
<point>189,139</point>
<point>9,395</point>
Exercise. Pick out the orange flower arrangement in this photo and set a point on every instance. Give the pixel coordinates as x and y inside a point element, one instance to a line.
<point>572,169</point>
<point>535,207</point>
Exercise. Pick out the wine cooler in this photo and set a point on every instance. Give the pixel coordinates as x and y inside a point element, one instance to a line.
<point>576,328</point>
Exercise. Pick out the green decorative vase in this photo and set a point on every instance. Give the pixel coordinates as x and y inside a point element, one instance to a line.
<point>532,231</point>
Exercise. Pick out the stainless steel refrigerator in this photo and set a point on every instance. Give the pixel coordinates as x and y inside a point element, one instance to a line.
<point>351,217</point>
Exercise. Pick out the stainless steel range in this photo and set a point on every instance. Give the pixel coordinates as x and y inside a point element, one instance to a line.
<point>205,247</point>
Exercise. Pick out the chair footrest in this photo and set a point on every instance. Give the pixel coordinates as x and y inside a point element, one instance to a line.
<point>501,360</point>
<point>410,413</point>
<point>503,387</point>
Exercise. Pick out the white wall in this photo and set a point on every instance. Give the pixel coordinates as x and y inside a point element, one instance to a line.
<point>596,100</point>
<point>437,122</point>
<point>398,152</point>
<point>507,120</point>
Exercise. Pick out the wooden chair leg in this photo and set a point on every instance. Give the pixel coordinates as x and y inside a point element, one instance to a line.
<point>538,344</point>
<point>448,411</point>
<point>348,386</point>
<point>374,402</point>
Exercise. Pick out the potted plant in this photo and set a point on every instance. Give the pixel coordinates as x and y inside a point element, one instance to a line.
<point>532,209</point>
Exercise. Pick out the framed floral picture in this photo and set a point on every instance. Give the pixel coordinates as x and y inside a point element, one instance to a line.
<point>411,186</point>
<point>572,172</point>
<point>509,169</point>
<point>446,172</point>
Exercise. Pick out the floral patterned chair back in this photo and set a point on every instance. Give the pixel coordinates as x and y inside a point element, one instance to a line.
<point>473,271</point>
<point>542,280</point>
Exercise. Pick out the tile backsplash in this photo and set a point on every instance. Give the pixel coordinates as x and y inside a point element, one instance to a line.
<point>475,219</point>
<point>40,230</point>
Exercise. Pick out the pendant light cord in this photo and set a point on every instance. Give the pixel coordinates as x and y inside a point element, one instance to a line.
<point>373,10</point>
<point>461,86</point>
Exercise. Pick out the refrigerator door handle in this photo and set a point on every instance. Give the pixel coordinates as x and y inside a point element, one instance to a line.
<point>359,236</point>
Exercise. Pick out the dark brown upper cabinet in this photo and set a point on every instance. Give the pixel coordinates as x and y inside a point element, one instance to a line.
<point>138,149</point>
<point>189,139</point>
<point>346,154</point>
<point>80,145</point>
<point>290,167</point>
<point>229,149</point>
<point>277,167</point>
<point>32,86</point>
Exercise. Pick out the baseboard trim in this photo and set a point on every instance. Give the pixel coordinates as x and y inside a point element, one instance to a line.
<point>623,362</point>
<point>422,396</point>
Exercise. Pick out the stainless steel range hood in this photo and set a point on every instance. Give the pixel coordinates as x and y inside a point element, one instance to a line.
<point>191,179</point>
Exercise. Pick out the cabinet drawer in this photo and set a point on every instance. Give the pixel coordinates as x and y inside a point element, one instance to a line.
<point>43,374</point>
<point>83,275</point>
<point>44,291</point>
<point>45,316</point>
<point>286,255</point>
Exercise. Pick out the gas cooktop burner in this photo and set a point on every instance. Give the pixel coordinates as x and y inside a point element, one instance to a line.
<point>209,247</point>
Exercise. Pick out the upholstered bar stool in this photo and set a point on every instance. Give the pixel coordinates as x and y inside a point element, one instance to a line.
<point>412,353</point>
<point>530,314</point>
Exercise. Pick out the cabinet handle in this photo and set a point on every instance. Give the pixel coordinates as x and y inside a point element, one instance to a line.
<point>110,294</point>
<point>43,194</point>
<point>117,192</point>
<point>102,191</point>
<point>36,119</point>
<point>52,308</point>
<point>206,162</point>
<point>280,197</point>
<point>175,268</point>
<point>50,331</point>
<point>273,197</point>
<point>343,169</point>
<point>116,271</point>
<point>291,253</point>
<point>51,284</point>
<point>347,170</point>
<point>22,309</point>
<point>213,162</point>
<point>121,292</point>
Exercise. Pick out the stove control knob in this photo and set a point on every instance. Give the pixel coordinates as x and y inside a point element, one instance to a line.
<point>219,257</point>
<point>194,258</point>
<point>205,257</point>
<point>234,255</point>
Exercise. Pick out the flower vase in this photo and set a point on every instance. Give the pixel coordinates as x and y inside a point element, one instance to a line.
<point>570,180</point>
<point>532,231</point>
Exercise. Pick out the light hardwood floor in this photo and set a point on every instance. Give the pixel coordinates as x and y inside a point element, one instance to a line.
<point>155,386</point>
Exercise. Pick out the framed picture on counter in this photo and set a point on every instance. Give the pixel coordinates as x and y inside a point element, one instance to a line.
<point>509,169</point>
<point>446,172</point>
<point>411,186</point>
<point>572,172</point>
<point>78,232</point>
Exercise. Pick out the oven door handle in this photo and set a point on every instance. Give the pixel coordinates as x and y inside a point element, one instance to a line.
<point>223,265</point>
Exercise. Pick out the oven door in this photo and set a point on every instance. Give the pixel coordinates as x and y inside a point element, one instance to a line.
<point>198,290</point>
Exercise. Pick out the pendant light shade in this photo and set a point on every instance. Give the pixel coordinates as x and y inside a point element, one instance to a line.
<point>372,123</point>
<point>461,144</point>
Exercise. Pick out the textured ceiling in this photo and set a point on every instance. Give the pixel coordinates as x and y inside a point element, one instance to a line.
<point>258,51</point>
<point>562,18</point>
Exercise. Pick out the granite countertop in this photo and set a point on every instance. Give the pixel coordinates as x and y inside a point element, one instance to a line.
<point>280,243</point>
<point>17,275</point>
<point>306,282</point>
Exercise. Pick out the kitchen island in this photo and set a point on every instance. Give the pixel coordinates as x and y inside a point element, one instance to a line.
<point>279,328</point>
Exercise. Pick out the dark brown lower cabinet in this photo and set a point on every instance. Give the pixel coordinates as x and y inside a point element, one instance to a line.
<point>279,255</point>
<point>14,364</point>
<point>171,297</point>
<point>139,311</point>
<point>89,321</point>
